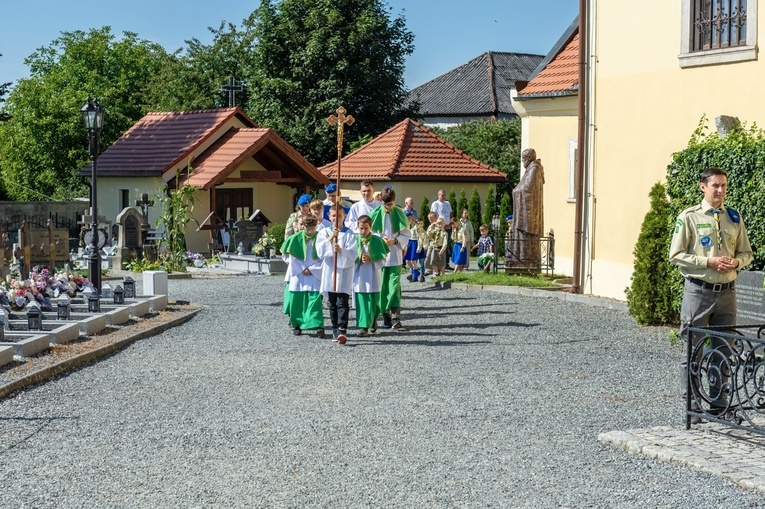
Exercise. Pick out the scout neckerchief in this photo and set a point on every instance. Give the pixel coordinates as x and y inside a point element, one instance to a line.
<point>398,219</point>
<point>374,246</point>
<point>295,245</point>
<point>716,214</point>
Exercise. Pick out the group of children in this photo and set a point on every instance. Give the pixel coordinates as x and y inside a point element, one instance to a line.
<point>363,258</point>
<point>339,259</point>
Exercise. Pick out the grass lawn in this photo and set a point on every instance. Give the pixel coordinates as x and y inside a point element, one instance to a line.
<point>499,279</point>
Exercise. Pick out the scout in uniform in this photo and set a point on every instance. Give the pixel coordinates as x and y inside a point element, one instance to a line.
<point>709,246</point>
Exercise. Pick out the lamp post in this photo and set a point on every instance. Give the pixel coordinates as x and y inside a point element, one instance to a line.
<point>93,118</point>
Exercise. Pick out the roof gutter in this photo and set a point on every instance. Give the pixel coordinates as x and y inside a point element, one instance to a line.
<point>581,150</point>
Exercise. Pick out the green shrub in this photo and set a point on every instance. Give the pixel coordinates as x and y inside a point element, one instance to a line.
<point>489,208</point>
<point>741,153</point>
<point>424,211</point>
<point>277,231</point>
<point>474,212</point>
<point>651,298</point>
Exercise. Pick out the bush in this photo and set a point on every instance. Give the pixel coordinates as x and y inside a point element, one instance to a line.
<point>651,298</point>
<point>276,230</point>
<point>490,207</point>
<point>424,211</point>
<point>742,154</point>
<point>474,212</point>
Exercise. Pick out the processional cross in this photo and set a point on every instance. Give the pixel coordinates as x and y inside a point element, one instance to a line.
<point>341,120</point>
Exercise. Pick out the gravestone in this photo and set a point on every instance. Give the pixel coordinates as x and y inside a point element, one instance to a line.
<point>128,237</point>
<point>248,233</point>
<point>750,298</point>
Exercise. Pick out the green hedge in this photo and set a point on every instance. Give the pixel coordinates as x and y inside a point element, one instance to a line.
<point>656,292</point>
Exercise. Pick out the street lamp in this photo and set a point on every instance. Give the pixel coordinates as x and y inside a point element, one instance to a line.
<point>93,118</point>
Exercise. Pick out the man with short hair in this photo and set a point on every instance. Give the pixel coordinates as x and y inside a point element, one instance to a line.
<point>709,246</point>
<point>443,208</point>
<point>363,207</point>
<point>409,207</point>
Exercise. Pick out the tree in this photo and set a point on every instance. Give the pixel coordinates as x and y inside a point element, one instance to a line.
<point>650,299</point>
<point>4,89</point>
<point>194,77</point>
<point>490,207</point>
<point>505,208</point>
<point>462,203</point>
<point>43,145</point>
<point>424,211</point>
<point>312,57</point>
<point>474,210</point>
<point>493,142</point>
<point>452,199</point>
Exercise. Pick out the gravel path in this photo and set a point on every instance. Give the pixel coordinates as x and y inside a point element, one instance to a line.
<point>489,400</point>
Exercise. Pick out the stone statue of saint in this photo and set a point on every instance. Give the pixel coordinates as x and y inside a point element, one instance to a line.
<point>528,215</point>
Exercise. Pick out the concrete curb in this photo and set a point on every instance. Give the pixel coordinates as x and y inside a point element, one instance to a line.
<point>735,455</point>
<point>49,372</point>
<point>540,293</point>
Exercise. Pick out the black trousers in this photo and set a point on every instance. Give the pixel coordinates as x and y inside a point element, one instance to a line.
<point>338,310</point>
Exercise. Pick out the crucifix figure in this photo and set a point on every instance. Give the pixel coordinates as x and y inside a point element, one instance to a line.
<point>144,203</point>
<point>341,119</point>
<point>232,88</point>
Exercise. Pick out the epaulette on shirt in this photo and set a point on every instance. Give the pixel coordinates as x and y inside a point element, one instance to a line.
<point>733,215</point>
<point>687,211</point>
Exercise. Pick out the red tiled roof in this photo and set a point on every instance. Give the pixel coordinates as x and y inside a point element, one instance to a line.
<point>161,140</point>
<point>225,155</point>
<point>409,151</point>
<point>559,77</point>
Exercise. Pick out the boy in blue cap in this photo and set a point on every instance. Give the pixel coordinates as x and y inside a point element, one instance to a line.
<point>332,196</point>
<point>302,211</point>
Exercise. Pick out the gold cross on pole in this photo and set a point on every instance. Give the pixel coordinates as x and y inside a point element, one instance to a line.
<point>341,120</point>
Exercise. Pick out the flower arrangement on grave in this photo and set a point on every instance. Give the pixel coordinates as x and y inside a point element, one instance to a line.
<point>486,261</point>
<point>197,259</point>
<point>191,256</point>
<point>265,243</point>
<point>41,286</point>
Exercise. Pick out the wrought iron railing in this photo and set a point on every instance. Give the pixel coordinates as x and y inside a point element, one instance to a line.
<point>726,376</point>
<point>530,254</point>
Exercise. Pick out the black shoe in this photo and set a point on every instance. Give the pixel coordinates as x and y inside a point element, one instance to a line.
<point>397,326</point>
<point>387,323</point>
<point>320,333</point>
<point>409,277</point>
<point>422,279</point>
<point>296,331</point>
<point>374,327</point>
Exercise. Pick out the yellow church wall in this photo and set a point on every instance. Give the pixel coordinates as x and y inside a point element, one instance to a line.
<point>549,126</point>
<point>646,107</point>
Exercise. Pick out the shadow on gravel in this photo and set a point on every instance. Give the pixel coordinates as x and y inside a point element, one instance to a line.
<point>405,342</point>
<point>44,422</point>
<point>414,297</point>
<point>471,326</point>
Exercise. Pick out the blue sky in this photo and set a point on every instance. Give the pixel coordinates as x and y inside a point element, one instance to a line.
<point>448,33</point>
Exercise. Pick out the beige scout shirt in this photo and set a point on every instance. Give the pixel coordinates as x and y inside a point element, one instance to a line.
<point>695,241</point>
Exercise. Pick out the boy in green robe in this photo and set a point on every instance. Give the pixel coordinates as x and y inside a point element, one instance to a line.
<point>367,282</point>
